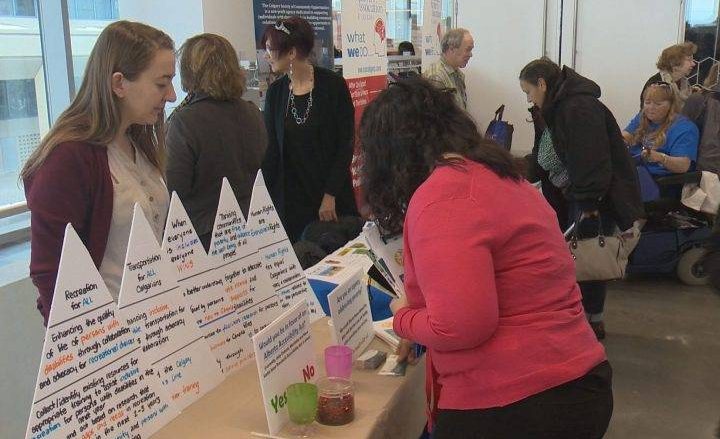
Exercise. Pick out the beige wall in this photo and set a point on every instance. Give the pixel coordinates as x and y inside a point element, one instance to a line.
<point>21,339</point>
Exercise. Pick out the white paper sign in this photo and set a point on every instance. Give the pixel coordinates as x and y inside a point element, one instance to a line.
<point>247,282</point>
<point>204,287</point>
<point>364,36</point>
<point>93,379</point>
<point>285,355</point>
<point>351,315</point>
<point>277,254</point>
<point>153,307</point>
<point>431,33</point>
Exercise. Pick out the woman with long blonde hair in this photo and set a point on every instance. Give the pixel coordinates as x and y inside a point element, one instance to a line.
<point>104,153</point>
<point>214,133</point>
<point>665,141</point>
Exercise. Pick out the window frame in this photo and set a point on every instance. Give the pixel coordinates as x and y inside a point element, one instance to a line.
<point>54,26</point>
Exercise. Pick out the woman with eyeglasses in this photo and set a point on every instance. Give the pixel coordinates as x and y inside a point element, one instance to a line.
<point>309,117</point>
<point>675,65</point>
<point>664,141</point>
<point>580,157</point>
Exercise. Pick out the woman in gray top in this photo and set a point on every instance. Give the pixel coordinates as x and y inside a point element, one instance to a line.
<point>213,133</point>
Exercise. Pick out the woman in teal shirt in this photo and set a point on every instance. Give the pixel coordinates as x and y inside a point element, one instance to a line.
<point>664,141</point>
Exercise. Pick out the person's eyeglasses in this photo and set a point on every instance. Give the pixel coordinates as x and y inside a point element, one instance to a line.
<point>280,25</point>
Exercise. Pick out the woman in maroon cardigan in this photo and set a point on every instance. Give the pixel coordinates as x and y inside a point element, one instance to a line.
<point>490,284</point>
<point>118,112</point>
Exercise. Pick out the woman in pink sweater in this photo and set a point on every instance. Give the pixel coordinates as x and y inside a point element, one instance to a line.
<point>490,284</point>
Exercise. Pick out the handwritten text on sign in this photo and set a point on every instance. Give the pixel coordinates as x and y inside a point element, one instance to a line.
<point>285,355</point>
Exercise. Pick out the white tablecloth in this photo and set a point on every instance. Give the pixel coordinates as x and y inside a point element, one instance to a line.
<point>385,407</point>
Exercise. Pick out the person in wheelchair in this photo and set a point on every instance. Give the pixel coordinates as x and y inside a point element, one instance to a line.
<point>662,140</point>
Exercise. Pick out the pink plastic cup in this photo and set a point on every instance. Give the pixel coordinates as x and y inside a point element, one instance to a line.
<point>338,361</point>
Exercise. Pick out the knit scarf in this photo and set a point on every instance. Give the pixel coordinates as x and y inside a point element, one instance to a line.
<point>548,160</point>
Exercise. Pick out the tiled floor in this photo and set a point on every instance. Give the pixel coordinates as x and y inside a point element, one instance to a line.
<point>665,351</point>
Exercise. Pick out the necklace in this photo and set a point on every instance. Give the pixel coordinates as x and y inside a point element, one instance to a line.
<point>293,108</point>
<point>294,111</point>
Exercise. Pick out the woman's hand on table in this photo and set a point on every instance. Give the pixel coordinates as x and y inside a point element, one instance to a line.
<point>396,304</point>
<point>406,349</point>
<point>406,352</point>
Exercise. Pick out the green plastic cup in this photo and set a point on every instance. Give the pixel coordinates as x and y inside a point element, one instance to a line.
<point>302,400</point>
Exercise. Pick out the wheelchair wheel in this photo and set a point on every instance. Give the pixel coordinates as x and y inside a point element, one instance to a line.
<point>690,270</point>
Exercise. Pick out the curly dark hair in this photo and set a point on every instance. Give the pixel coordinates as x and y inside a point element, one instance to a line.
<point>405,133</point>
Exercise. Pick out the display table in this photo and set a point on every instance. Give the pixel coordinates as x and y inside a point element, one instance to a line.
<point>385,407</point>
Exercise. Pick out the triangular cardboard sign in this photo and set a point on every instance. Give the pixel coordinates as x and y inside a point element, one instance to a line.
<point>235,252</point>
<point>93,379</point>
<point>229,223</point>
<point>153,307</point>
<point>276,252</point>
<point>181,243</point>
<point>204,287</point>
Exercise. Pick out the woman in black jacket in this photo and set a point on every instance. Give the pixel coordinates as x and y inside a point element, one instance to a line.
<point>309,117</point>
<point>582,161</point>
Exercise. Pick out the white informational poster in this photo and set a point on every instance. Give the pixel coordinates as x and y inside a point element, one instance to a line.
<point>351,315</point>
<point>365,68</point>
<point>285,355</point>
<point>152,305</point>
<point>277,254</point>
<point>235,253</point>
<point>364,38</point>
<point>431,33</point>
<point>93,381</point>
<point>204,287</point>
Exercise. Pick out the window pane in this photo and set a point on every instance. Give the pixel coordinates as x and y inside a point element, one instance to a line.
<point>24,8</point>
<point>88,18</point>
<point>23,104</point>
<point>20,95</point>
<point>4,108</point>
<point>83,9</point>
<point>701,27</point>
<point>6,8</point>
<point>106,9</point>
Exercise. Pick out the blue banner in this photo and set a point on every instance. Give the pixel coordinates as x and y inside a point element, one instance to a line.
<point>317,12</point>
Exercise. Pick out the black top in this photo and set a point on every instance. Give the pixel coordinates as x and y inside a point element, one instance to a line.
<point>304,162</point>
<point>588,141</point>
<point>207,140</point>
<point>302,168</point>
